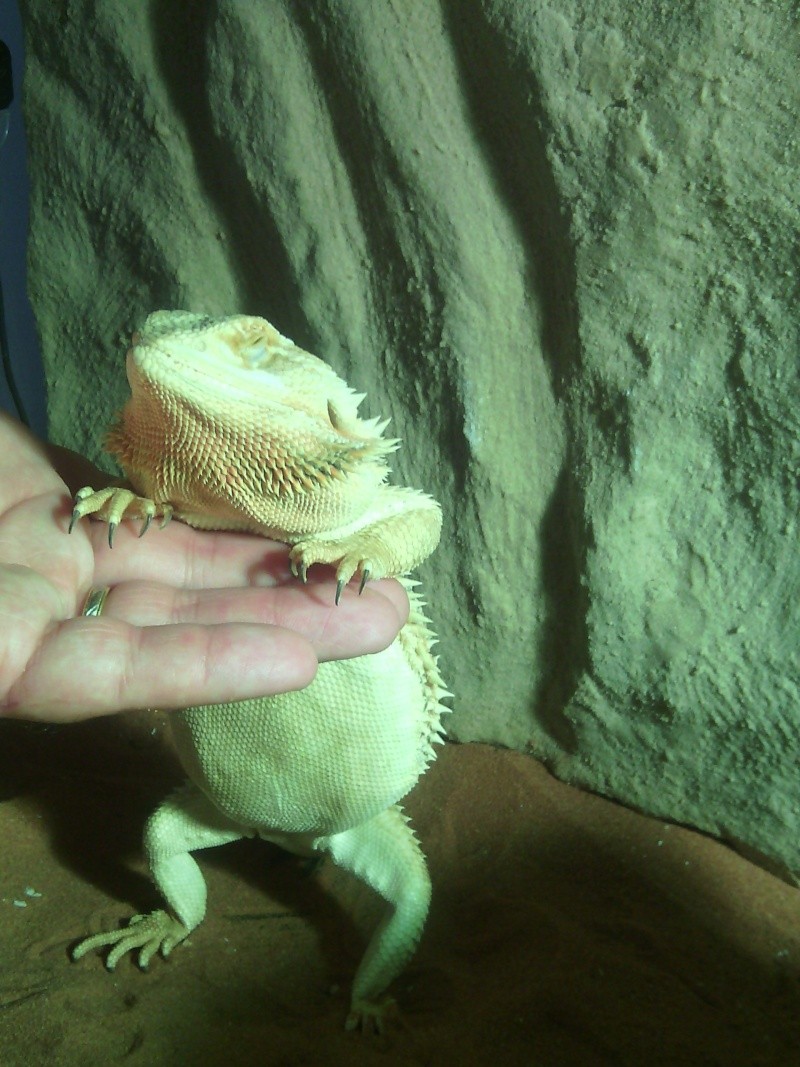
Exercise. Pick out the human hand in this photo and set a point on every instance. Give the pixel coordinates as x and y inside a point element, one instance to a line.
<point>193,617</point>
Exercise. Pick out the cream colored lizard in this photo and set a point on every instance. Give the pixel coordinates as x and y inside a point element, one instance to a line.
<point>232,426</point>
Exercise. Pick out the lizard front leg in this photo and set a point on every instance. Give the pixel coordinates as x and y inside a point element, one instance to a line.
<point>184,822</point>
<point>397,534</point>
<point>115,503</point>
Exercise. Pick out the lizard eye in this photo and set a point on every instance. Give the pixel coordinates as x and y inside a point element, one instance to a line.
<point>256,354</point>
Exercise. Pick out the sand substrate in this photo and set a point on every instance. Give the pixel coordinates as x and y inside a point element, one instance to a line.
<point>564,928</point>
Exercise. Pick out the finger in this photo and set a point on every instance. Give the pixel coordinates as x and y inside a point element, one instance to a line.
<point>182,556</point>
<point>357,627</point>
<point>201,559</point>
<point>90,667</point>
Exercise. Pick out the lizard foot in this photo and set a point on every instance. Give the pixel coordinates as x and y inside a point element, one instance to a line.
<point>305,553</point>
<point>371,1016</point>
<point>148,933</point>
<point>113,504</point>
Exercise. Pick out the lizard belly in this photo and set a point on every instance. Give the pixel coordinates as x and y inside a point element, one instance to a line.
<point>317,761</point>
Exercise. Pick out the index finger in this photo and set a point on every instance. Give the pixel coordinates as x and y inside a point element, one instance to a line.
<point>185,558</point>
<point>181,556</point>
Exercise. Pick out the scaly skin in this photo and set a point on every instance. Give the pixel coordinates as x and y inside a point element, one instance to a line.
<point>231,426</point>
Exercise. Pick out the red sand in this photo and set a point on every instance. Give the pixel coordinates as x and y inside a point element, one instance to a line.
<point>564,930</point>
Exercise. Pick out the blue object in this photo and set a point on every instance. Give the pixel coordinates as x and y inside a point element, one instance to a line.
<point>18,337</point>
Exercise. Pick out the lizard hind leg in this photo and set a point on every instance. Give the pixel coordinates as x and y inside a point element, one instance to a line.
<point>187,820</point>
<point>385,854</point>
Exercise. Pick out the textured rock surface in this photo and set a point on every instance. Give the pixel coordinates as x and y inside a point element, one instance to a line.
<point>554,242</point>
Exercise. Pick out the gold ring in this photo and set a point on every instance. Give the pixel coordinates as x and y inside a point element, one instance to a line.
<point>95,602</point>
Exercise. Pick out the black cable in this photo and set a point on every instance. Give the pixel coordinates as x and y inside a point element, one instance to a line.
<point>6,80</point>
<point>6,98</point>
<point>8,369</point>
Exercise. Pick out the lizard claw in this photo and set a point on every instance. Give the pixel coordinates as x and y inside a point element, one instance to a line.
<point>372,1016</point>
<point>304,554</point>
<point>343,582</point>
<point>114,504</point>
<point>299,570</point>
<point>364,579</point>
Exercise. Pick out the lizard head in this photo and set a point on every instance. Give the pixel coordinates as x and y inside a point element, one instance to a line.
<point>241,358</point>
<point>241,373</point>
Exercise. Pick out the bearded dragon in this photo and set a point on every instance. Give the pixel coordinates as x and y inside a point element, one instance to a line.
<point>231,426</point>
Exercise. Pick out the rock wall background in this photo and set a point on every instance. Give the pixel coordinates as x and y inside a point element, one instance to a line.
<point>557,242</point>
